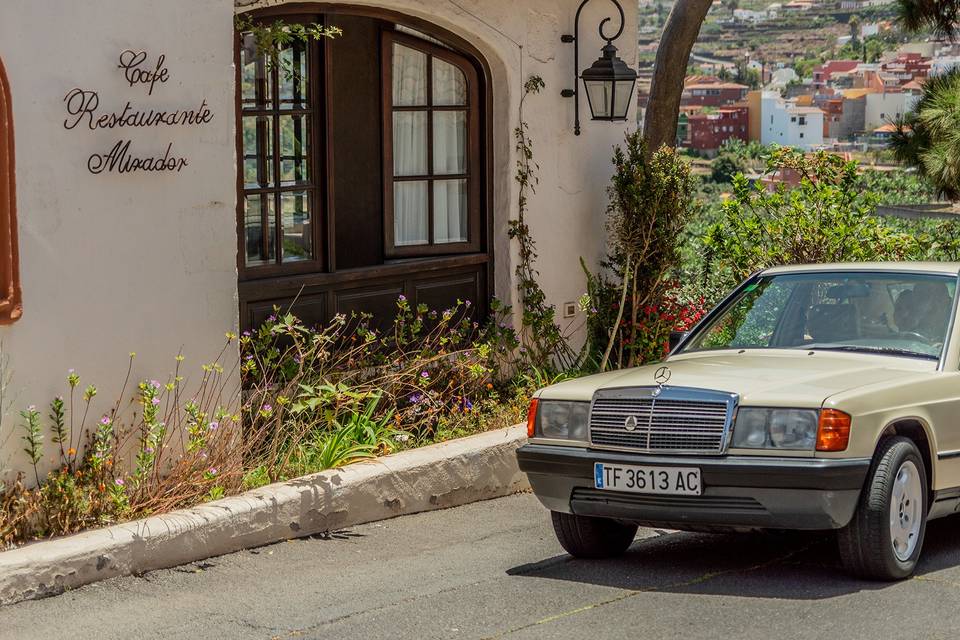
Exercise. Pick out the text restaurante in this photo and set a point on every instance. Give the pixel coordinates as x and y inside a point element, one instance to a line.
<point>82,105</point>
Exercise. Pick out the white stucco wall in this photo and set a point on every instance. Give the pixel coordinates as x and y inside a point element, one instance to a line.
<point>116,263</point>
<point>147,262</point>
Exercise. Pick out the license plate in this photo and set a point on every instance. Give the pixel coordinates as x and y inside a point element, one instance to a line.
<point>680,481</point>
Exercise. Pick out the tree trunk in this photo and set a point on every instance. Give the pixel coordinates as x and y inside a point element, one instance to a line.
<point>669,70</point>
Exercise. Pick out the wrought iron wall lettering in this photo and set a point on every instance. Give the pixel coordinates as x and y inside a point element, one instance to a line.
<point>84,113</point>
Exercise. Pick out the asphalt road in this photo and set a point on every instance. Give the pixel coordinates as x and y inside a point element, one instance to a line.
<point>494,570</point>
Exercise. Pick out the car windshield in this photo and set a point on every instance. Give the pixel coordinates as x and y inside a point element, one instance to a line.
<point>881,312</point>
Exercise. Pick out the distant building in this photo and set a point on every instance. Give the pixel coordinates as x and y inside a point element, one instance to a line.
<point>887,106</point>
<point>843,113</point>
<point>823,73</point>
<point>708,131</point>
<point>711,92</point>
<point>781,78</point>
<point>907,67</point>
<point>785,123</point>
<point>884,132</point>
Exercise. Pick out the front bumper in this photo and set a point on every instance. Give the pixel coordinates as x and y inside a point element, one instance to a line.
<point>739,492</point>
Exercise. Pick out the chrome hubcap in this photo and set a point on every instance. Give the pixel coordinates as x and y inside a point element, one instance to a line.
<point>906,503</point>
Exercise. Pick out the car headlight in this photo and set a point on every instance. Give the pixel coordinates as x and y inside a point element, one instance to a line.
<point>775,429</point>
<point>562,420</point>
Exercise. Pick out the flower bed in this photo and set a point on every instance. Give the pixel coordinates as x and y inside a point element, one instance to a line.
<point>283,401</point>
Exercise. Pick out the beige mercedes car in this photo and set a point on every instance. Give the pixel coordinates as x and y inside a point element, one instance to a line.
<point>818,397</point>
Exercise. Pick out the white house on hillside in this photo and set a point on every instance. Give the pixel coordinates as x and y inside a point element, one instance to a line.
<point>783,122</point>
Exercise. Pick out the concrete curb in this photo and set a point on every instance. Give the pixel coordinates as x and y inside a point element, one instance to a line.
<point>435,477</point>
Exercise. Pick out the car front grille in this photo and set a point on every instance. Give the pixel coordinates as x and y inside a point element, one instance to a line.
<point>675,421</point>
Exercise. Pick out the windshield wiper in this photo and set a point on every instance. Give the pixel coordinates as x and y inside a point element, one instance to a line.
<point>885,350</point>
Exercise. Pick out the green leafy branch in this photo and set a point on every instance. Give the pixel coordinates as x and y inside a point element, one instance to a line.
<point>542,339</point>
<point>271,38</point>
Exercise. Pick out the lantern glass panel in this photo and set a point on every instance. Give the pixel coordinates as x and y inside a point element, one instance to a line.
<point>622,98</point>
<point>600,96</point>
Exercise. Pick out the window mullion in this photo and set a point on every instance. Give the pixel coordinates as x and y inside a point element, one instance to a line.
<point>430,203</point>
<point>275,132</point>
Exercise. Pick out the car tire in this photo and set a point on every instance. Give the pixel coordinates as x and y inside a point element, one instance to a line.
<point>884,538</point>
<point>585,537</point>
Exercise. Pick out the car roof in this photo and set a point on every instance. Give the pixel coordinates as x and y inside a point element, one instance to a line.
<point>945,268</point>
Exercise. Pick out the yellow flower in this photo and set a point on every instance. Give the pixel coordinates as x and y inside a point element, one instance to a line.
<point>71,451</point>
<point>179,358</point>
<point>133,354</point>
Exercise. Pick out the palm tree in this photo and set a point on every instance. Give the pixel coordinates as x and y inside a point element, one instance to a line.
<point>942,16</point>
<point>854,24</point>
<point>928,138</point>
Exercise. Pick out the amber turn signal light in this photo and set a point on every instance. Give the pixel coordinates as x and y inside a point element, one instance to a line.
<point>532,417</point>
<point>833,432</point>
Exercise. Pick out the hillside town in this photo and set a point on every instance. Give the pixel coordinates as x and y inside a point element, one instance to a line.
<point>843,103</point>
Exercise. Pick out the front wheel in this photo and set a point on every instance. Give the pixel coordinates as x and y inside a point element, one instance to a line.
<point>585,537</point>
<point>884,538</point>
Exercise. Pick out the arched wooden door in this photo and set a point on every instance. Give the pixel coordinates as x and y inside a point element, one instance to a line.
<point>10,297</point>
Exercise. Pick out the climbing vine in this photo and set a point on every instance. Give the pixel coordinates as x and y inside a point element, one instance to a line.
<point>271,38</point>
<point>544,343</point>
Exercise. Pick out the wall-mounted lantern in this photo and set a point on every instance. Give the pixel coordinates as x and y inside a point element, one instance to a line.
<point>608,82</point>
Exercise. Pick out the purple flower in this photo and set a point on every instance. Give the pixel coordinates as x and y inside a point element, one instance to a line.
<point>247,334</point>
<point>105,420</point>
<point>416,398</point>
<point>155,384</point>
<point>212,471</point>
<point>424,374</point>
<point>148,450</point>
<point>271,318</point>
<point>402,298</point>
<point>213,426</point>
<point>267,408</point>
<point>155,401</point>
<point>249,356</point>
<point>467,304</point>
<point>119,482</point>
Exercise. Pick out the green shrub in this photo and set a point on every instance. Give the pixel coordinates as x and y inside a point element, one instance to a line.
<point>651,200</point>
<point>824,218</point>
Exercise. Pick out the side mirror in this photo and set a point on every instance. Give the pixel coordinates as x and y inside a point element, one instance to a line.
<point>676,337</point>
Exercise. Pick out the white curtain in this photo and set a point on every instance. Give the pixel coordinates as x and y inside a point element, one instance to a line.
<point>409,77</point>
<point>449,142</point>
<point>410,206</point>
<point>410,198</point>
<point>449,84</point>
<point>449,211</point>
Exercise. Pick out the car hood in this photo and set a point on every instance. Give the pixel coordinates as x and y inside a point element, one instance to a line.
<point>779,377</point>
